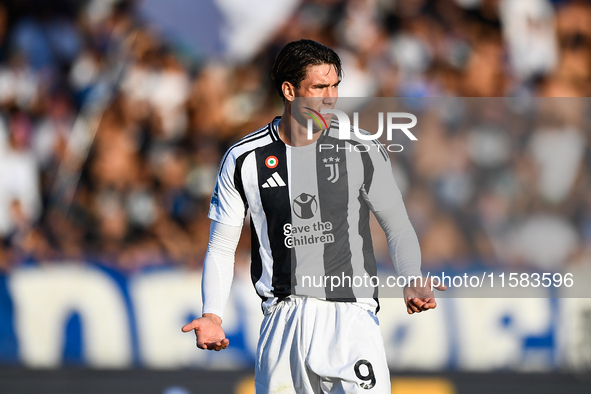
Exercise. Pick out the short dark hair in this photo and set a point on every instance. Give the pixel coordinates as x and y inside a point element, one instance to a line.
<point>293,60</point>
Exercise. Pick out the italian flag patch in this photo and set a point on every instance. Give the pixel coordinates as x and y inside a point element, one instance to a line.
<point>271,162</point>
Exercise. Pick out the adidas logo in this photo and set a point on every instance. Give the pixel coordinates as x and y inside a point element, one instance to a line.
<point>274,181</point>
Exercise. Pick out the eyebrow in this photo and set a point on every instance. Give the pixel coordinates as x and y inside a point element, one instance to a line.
<point>324,85</point>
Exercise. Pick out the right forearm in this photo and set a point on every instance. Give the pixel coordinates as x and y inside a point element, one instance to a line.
<point>218,268</point>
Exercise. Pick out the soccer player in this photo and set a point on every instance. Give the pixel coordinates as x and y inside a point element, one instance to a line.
<point>309,198</point>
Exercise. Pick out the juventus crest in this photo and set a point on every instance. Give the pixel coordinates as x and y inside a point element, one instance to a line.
<point>332,164</point>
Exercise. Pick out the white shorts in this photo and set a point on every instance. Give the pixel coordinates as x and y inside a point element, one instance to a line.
<point>309,345</point>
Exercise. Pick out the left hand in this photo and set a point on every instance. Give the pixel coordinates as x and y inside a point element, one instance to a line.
<point>419,297</point>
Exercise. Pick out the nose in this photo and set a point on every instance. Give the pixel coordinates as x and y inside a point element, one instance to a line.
<point>330,98</point>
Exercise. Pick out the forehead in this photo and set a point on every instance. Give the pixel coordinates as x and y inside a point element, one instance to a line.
<point>322,73</point>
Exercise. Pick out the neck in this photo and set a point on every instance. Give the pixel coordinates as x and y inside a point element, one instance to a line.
<point>292,132</point>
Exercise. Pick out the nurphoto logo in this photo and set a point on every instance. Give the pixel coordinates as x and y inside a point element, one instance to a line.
<point>345,126</point>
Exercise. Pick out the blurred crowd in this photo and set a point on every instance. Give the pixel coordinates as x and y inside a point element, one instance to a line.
<point>504,181</point>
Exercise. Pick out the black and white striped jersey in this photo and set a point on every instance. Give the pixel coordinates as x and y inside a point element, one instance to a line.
<point>309,212</point>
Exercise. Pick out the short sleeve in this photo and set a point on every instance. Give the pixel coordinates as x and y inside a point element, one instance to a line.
<point>227,205</point>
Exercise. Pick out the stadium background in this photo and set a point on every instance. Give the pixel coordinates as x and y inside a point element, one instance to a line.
<point>113,119</point>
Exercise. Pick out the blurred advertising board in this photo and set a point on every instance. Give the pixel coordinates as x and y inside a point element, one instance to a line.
<point>81,314</point>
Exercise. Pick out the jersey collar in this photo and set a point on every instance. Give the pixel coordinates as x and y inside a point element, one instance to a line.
<point>273,126</point>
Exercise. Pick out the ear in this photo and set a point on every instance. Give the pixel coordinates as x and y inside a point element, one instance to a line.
<point>288,91</point>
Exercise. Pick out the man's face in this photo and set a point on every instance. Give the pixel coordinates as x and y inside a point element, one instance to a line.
<point>321,81</point>
<point>319,90</point>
